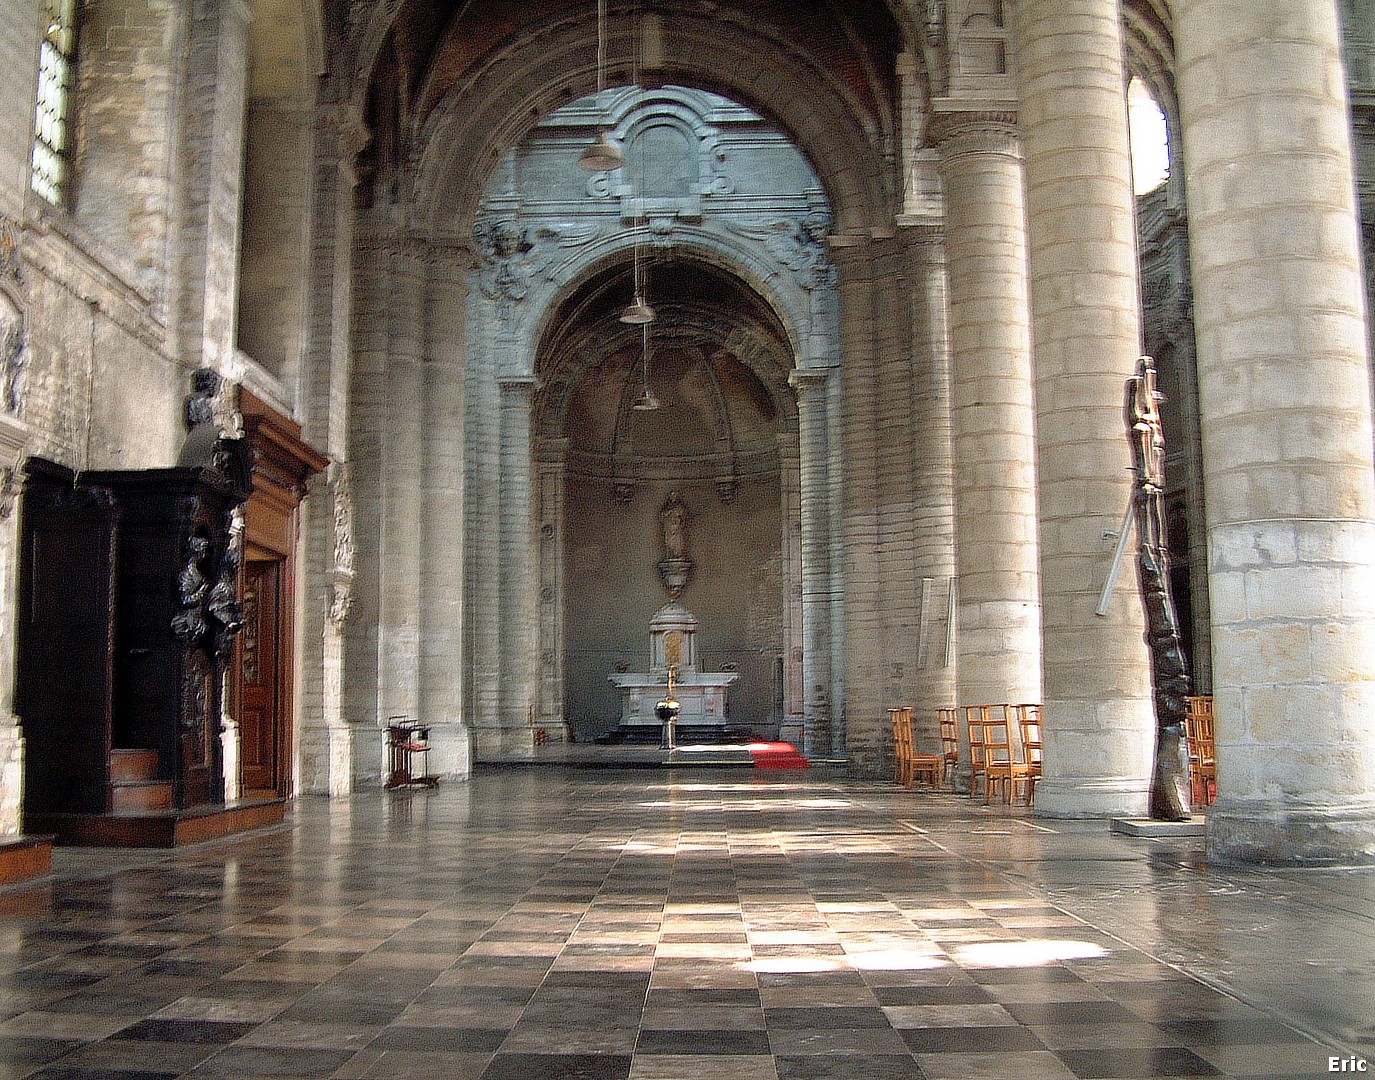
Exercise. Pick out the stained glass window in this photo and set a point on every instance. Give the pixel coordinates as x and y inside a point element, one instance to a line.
<point>49,176</point>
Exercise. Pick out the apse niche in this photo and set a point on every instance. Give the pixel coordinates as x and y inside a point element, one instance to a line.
<point>714,443</point>
<point>721,223</point>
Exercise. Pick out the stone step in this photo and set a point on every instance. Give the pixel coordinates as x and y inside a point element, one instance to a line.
<point>141,796</point>
<point>133,766</point>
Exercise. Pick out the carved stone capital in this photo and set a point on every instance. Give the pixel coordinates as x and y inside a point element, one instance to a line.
<point>958,132</point>
<point>515,387</point>
<point>808,382</point>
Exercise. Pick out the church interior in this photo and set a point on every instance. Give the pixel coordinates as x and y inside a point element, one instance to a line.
<point>447,446</point>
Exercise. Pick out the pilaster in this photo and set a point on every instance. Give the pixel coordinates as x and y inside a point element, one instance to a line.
<point>326,745</point>
<point>443,619</point>
<point>216,89</point>
<point>13,437</point>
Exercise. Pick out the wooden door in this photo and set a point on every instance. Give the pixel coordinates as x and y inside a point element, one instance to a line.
<point>264,722</point>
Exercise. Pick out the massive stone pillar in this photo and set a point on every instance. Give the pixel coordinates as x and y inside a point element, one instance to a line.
<point>1099,720</point>
<point>211,182</point>
<point>993,410</point>
<point>868,735</point>
<point>1284,383</point>
<point>403,401</point>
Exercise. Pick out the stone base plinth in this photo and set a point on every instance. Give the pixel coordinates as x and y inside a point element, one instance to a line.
<point>1100,797</point>
<point>1194,826</point>
<point>1278,832</point>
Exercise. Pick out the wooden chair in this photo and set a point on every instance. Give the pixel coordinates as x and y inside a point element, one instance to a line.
<point>950,741</point>
<point>1202,740</point>
<point>976,718</point>
<point>1029,723</point>
<point>910,765</point>
<point>902,745</point>
<point>1002,766</point>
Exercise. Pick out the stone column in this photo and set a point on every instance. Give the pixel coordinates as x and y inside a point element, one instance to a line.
<point>1284,382</point>
<point>933,470</point>
<point>553,467</point>
<point>442,552</point>
<point>993,410</point>
<point>810,385</point>
<point>518,625</point>
<point>792,690</point>
<point>868,734</point>
<point>1099,716</point>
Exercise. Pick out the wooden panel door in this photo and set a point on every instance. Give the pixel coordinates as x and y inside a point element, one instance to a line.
<point>264,733</point>
<point>64,687</point>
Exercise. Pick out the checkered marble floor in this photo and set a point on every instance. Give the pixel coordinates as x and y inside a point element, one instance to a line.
<point>550,924</point>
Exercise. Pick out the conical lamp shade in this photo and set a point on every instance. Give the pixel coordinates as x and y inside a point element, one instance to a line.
<point>647,402</point>
<point>602,156</point>
<point>637,312</point>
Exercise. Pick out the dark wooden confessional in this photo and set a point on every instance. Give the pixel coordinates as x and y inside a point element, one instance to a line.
<point>128,612</point>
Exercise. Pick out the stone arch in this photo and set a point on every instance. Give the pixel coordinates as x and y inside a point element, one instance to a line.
<point>532,75</point>
<point>608,474</point>
<point>734,255</point>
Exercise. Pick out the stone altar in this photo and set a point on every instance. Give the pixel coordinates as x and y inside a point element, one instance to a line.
<point>673,643</point>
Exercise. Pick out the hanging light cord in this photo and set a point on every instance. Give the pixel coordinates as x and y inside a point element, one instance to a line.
<point>644,353</point>
<point>601,45</point>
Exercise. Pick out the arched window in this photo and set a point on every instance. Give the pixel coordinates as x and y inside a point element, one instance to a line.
<point>1150,145</point>
<point>49,174</point>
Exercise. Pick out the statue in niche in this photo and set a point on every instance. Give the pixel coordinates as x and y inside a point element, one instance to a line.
<point>675,567</point>
<point>673,518</point>
<point>1169,668</point>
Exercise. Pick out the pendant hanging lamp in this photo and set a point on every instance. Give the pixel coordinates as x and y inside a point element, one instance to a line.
<point>603,155</point>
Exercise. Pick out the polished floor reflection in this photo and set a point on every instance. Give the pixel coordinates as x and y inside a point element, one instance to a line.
<point>542,924</point>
